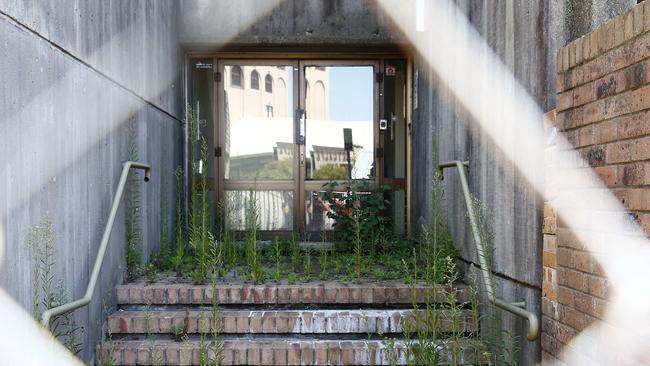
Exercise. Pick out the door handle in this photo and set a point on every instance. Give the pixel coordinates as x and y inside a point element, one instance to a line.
<point>300,124</point>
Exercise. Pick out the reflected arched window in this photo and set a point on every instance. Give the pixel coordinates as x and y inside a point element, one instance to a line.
<point>236,76</point>
<point>268,83</point>
<point>255,80</point>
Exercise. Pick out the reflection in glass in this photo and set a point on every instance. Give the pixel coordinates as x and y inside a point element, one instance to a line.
<point>274,209</point>
<point>338,98</point>
<point>316,212</point>
<point>258,123</point>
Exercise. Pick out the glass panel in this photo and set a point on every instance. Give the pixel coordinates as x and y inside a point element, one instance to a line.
<point>316,212</point>
<point>259,123</point>
<point>274,209</point>
<point>339,98</point>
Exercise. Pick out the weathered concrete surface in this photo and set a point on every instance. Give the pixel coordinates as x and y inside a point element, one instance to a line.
<point>305,23</point>
<point>75,75</point>
<point>525,35</point>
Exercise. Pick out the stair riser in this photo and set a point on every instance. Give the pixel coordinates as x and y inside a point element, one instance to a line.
<point>282,322</point>
<point>327,293</point>
<point>265,353</point>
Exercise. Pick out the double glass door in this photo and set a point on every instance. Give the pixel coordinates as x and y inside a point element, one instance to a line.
<point>287,128</point>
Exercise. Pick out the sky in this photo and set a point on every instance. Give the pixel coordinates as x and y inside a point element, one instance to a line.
<point>351,93</point>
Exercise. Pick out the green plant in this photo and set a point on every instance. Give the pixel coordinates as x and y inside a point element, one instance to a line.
<point>151,273</point>
<point>436,242</point>
<point>357,241</point>
<point>155,354</point>
<point>295,251</point>
<point>179,256</point>
<point>501,348</point>
<point>292,278</point>
<point>132,207</point>
<point>454,347</point>
<point>110,356</point>
<point>322,261</point>
<point>47,295</point>
<point>163,253</point>
<point>179,330</point>
<point>226,236</point>
<point>278,257</point>
<point>201,237</point>
<point>253,256</point>
<point>361,202</point>
<point>307,265</point>
<point>215,326</point>
<point>199,233</point>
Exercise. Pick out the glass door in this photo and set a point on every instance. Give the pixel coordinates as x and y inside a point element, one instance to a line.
<point>338,118</point>
<point>286,130</point>
<point>256,147</point>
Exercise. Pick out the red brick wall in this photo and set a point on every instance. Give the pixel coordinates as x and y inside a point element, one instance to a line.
<point>603,109</point>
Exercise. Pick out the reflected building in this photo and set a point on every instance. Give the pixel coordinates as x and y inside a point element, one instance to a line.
<point>260,99</point>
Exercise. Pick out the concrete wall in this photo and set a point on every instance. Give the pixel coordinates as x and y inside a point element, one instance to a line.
<point>268,23</point>
<point>76,75</point>
<point>526,36</point>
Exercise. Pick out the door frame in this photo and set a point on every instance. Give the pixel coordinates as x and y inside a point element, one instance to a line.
<point>298,61</point>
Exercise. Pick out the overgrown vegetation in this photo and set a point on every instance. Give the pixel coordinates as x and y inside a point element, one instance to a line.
<point>47,291</point>
<point>364,249</point>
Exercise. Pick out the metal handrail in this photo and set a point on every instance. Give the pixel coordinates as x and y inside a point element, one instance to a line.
<point>92,282</point>
<point>517,308</point>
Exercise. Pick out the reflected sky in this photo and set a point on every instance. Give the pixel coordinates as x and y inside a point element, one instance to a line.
<point>350,93</point>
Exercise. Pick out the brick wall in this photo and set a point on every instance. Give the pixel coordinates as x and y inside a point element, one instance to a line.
<point>603,109</point>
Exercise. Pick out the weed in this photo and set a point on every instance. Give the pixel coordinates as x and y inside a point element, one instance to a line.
<point>155,353</point>
<point>179,256</point>
<point>357,244</point>
<point>132,207</point>
<point>250,240</point>
<point>307,265</point>
<point>215,326</point>
<point>295,251</point>
<point>46,295</point>
<point>179,330</point>
<point>292,278</point>
<point>278,257</point>
<point>163,254</point>
<point>110,356</point>
<point>151,273</point>
<point>322,261</point>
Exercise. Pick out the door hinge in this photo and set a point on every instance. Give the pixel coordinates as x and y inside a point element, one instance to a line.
<point>379,77</point>
<point>379,152</point>
<point>217,151</point>
<point>217,77</point>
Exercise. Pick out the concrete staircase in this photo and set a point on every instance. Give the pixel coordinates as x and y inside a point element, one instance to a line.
<point>315,323</point>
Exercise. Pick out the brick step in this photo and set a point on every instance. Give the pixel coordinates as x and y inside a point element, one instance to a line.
<point>367,321</point>
<point>273,351</point>
<point>311,293</point>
